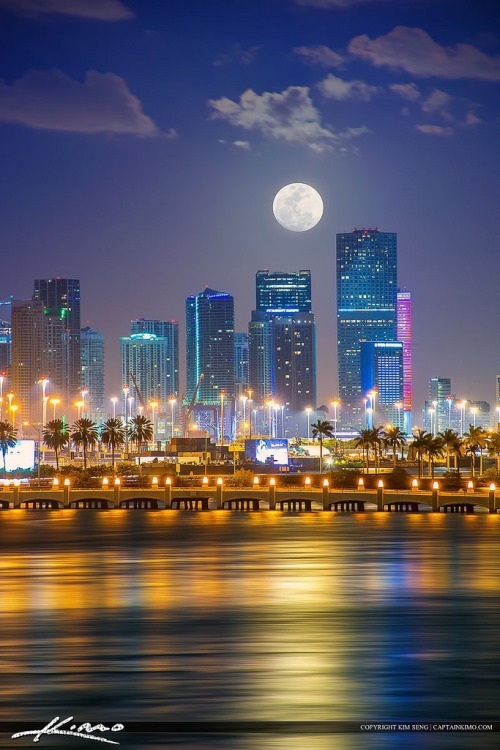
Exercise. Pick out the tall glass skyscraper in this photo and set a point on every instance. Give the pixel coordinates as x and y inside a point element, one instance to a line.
<point>382,377</point>
<point>366,307</point>
<point>92,363</point>
<point>61,300</point>
<point>282,340</point>
<point>404,334</point>
<point>210,346</point>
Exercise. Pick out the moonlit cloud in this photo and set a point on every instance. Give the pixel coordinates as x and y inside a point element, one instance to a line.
<point>244,145</point>
<point>438,130</point>
<point>414,51</point>
<point>408,91</point>
<point>438,101</point>
<point>334,87</point>
<point>320,55</point>
<point>50,100</point>
<point>289,116</point>
<point>101,10</point>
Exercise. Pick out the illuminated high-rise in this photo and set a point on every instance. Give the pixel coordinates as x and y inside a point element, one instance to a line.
<point>28,359</point>
<point>366,307</point>
<point>61,300</point>
<point>92,364</point>
<point>210,346</point>
<point>404,334</point>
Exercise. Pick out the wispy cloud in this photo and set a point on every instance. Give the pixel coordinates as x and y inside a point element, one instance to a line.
<point>438,130</point>
<point>101,10</point>
<point>408,91</point>
<point>288,116</point>
<point>333,87</point>
<point>437,102</point>
<point>237,54</point>
<point>50,100</point>
<point>320,55</point>
<point>414,51</point>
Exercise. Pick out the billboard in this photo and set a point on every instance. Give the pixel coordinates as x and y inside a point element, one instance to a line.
<point>270,452</point>
<point>21,456</point>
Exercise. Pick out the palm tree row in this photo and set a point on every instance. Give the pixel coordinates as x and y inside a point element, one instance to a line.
<point>85,434</point>
<point>376,438</point>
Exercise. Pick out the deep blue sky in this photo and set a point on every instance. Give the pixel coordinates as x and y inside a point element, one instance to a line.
<point>142,143</point>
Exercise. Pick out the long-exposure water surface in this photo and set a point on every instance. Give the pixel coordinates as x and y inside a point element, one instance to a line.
<point>130,616</point>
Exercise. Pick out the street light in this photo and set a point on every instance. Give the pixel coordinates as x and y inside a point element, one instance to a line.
<point>431,414</point>
<point>153,405</point>
<point>43,382</point>
<point>244,400</point>
<point>84,394</point>
<point>222,418</point>
<point>79,407</point>
<point>399,406</point>
<point>450,402</point>
<point>473,411</point>
<point>172,402</point>
<point>308,412</point>
<point>114,399</point>
<point>55,402</point>
<point>462,405</point>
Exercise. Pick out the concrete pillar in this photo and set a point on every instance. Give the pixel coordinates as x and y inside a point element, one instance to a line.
<point>66,493</point>
<point>218,494</point>
<point>116,492</point>
<point>380,495</point>
<point>16,488</point>
<point>326,495</point>
<point>491,496</point>
<point>435,497</point>
<point>272,494</point>
<point>168,492</point>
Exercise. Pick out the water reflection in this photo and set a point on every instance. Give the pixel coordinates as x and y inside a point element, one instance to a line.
<point>213,616</point>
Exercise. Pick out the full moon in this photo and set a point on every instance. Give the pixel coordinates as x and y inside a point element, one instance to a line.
<point>297,207</point>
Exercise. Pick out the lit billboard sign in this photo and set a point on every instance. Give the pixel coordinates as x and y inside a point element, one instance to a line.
<point>271,452</point>
<point>21,456</point>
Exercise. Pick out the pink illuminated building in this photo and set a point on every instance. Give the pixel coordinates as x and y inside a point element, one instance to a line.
<point>404,335</point>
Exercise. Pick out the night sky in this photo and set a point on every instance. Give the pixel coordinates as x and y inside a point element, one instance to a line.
<point>142,143</point>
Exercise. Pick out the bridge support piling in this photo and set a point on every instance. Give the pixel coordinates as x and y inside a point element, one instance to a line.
<point>380,498</point>
<point>168,493</point>
<point>435,500</point>
<point>218,494</point>
<point>272,495</point>
<point>326,497</point>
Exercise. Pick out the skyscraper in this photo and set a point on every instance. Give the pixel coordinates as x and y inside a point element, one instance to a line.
<point>366,307</point>
<point>210,346</point>
<point>5,347</point>
<point>404,334</point>
<point>382,377</point>
<point>92,364</point>
<point>282,340</point>
<point>241,363</point>
<point>61,300</point>
<point>147,359</point>
<point>169,330</point>
<point>28,358</point>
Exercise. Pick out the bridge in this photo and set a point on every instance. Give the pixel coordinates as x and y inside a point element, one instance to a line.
<point>258,497</point>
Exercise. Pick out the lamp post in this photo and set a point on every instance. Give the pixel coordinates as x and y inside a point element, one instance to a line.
<point>172,402</point>
<point>154,406</point>
<point>84,394</point>
<point>130,401</point>
<point>43,382</point>
<point>450,402</point>
<point>431,415</point>
<point>125,390</point>
<point>55,402</point>
<point>308,412</point>
<point>222,418</point>
<point>2,380</point>
<point>473,412</point>
<point>244,400</point>
<point>79,407</point>
<point>399,406</point>
<point>114,399</point>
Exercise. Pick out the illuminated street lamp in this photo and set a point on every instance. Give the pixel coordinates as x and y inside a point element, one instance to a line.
<point>114,399</point>
<point>435,407</point>
<point>84,394</point>
<point>335,405</point>
<point>473,411</point>
<point>449,401</point>
<point>55,402</point>
<point>399,406</point>
<point>79,406</point>
<point>172,402</point>
<point>154,406</point>
<point>222,418</point>
<point>244,401</point>
<point>308,412</point>
<point>43,382</point>
<point>462,406</point>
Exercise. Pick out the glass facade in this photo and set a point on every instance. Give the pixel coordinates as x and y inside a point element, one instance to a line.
<point>382,382</point>
<point>366,307</point>
<point>92,362</point>
<point>210,346</point>
<point>281,293</point>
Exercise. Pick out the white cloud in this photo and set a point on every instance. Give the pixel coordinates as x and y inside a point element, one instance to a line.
<point>102,10</point>
<point>238,55</point>
<point>414,51</point>
<point>438,101</point>
<point>408,91</point>
<point>472,119</point>
<point>438,130</point>
<point>320,55</point>
<point>334,87</point>
<point>288,116</point>
<point>244,145</point>
<point>50,100</point>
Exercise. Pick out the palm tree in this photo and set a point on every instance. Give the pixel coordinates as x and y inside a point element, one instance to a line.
<point>55,436</point>
<point>322,429</point>
<point>84,432</point>
<point>376,441</point>
<point>395,439</point>
<point>7,438</point>
<point>419,446</point>
<point>364,441</point>
<point>494,447</point>
<point>475,440</point>
<point>457,450</point>
<point>140,431</point>
<point>448,438</point>
<point>113,435</point>
<point>434,450</point>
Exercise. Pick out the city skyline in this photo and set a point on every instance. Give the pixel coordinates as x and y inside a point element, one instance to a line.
<point>142,150</point>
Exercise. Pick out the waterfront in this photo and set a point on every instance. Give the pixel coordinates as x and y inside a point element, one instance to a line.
<point>134,616</point>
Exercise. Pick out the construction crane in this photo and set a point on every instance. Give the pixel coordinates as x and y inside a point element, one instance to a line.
<point>190,408</point>
<point>139,394</point>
